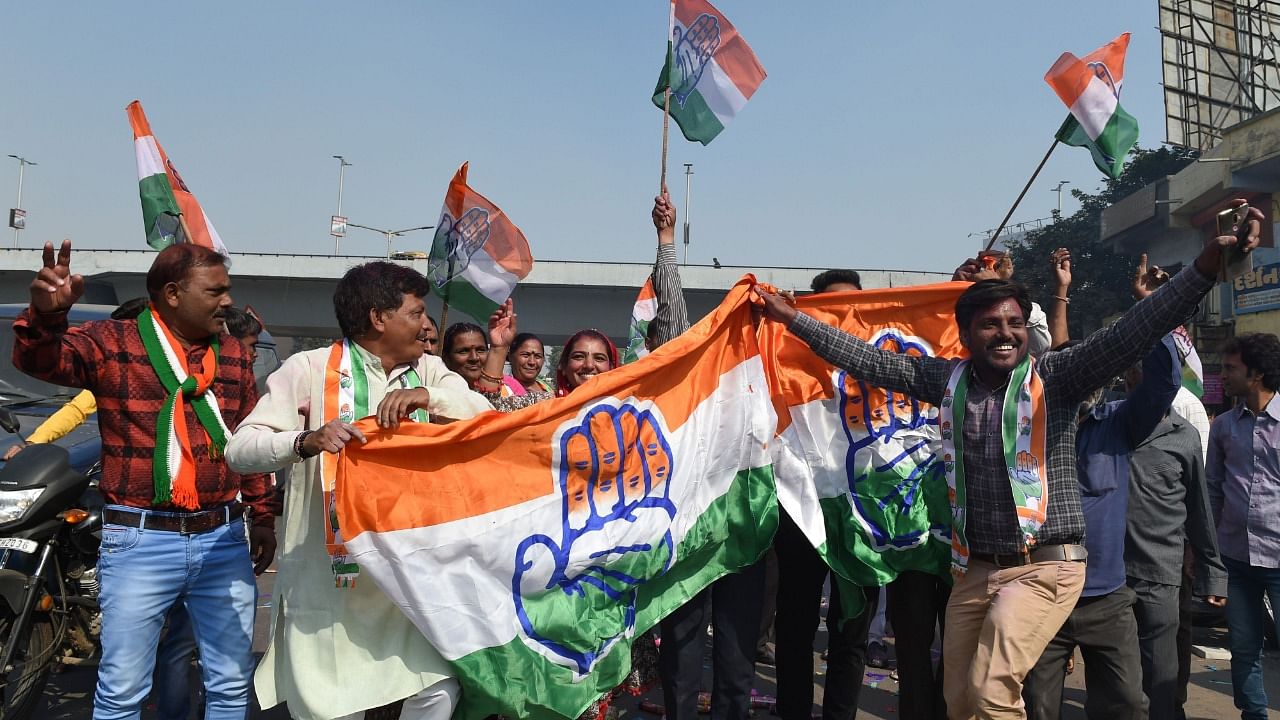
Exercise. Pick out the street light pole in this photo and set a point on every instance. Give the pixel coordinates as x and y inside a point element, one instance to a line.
<point>388,234</point>
<point>22,166</point>
<point>688,208</point>
<point>342,165</point>
<point>1059,191</point>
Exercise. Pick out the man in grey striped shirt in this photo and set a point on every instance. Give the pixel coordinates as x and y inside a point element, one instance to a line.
<point>1013,598</point>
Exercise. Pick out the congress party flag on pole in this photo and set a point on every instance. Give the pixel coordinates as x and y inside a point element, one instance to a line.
<point>1090,88</point>
<point>861,469</point>
<point>1192,368</point>
<point>645,310</point>
<point>478,255</point>
<point>170,213</point>
<point>531,548</point>
<point>710,69</point>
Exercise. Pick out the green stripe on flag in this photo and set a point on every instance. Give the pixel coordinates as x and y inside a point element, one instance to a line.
<point>159,210</point>
<point>464,296</point>
<point>732,533</point>
<point>1111,147</point>
<point>695,118</point>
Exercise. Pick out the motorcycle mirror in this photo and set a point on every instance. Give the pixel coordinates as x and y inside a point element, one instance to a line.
<point>9,421</point>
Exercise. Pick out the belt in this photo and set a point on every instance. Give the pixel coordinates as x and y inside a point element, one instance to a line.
<point>185,523</point>
<point>1045,553</point>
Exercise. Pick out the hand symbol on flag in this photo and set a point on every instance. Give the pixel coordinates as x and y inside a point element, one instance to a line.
<point>693,50</point>
<point>454,244</point>
<point>575,597</point>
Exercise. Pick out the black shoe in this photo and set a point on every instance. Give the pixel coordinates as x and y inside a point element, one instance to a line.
<point>878,655</point>
<point>765,656</point>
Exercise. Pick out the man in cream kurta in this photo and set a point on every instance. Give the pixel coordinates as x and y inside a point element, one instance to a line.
<point>335,652</point>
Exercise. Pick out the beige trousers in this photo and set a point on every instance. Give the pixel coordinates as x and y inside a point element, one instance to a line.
<point>999,620</point>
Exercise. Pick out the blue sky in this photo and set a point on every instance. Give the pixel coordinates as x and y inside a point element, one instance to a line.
<point>885,134</point>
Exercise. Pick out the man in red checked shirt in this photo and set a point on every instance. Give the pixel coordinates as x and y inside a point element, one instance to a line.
<point>170,386</point>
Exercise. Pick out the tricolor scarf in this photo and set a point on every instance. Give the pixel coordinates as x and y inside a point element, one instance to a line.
<point>173,466</point>
<point>1023,429</point>
<point>346,398</point>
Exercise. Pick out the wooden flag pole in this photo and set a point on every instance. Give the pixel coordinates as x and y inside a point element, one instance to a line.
<point>444,317</point>
<point>1025,188</point>
<point>666,99</point>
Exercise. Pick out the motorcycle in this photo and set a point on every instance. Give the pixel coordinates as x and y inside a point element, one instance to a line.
<point>50,528</point>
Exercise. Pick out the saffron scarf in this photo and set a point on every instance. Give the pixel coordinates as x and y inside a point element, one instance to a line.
<point>346,398</point>
<point>1023,433</point>
<point>173,466</point>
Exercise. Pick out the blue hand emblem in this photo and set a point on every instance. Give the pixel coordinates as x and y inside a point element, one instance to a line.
<point>901,437</point>
<point>693,51</point>
<point>575,596</point>
<point>455,242</point>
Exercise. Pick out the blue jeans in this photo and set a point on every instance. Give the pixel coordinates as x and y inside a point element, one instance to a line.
<point>144,573</point>
<point>172,690</point>
<point>1245,621</point>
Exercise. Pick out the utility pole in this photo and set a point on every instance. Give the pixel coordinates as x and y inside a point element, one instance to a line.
<point>17,218</point>
<point>1059,191</point>
<point>688,174</point>
<point>338,223</point>
<point>389,234</point>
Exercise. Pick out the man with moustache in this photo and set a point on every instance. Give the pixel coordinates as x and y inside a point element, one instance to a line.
<point>336,652</point>
<point>1018,529</point>
<point>173,528</point>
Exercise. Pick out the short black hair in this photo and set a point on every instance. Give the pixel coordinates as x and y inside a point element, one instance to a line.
<point>241,324</point>
<point>130,309</point>
<point>377,285</point>
<point>521,339</point>
<point>824,280</point>
<point>1260,352</point>
<point>984,294</point>
<point>462,328</point>
<point>175,263</point>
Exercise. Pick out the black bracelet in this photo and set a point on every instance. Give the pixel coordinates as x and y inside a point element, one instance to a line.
<point>297,445</point>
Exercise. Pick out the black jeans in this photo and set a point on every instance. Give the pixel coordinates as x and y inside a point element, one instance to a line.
<point>735,616</point>
<point>1157,614</point>
<point>918,601</point>
<point>1105,630</point>
<point>801,575</point>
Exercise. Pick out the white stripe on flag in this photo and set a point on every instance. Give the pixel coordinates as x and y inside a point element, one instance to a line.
<point>646,309</point>
<point>720,93</point>
<point>1094,108</point>
<point>148,155</point>
<point>488,277</point>
<point>471,584</point>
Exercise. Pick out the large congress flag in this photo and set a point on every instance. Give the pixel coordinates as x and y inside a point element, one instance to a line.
<point>532,547</point>
<point>1090,88</point>
<point>860,469</point>
<point>170,213</point>
<point>710,69</point>
<point>478,255</point>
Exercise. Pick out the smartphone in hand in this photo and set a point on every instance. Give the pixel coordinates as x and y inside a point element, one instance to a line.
<point>1235,262</point>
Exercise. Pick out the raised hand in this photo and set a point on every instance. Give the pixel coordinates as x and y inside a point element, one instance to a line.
<point>55,289</point>
<point>664,218</point>
<point>693,50</point>
<point>614,467</point>
<point>1147,279</point>
<point>780,307</point>
<point>502,325</point>
<point>1061,261</point>
<point>973,270</point>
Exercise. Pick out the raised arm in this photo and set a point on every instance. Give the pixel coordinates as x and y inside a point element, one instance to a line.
<point>43,346</point>
<point>672,317</point>
<point>1058,330</point>
<point>1146,406</point>
<point>924,378</point>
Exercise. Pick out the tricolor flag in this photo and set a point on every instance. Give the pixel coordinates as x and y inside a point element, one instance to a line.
<point>478,255</point>
<point>645,310</point>
<point>1192,368</point>
<point>170,213</point>
<point>1090,87</point>
<point>710,69</point>
<point>860,469</point>
<point>532,547</point>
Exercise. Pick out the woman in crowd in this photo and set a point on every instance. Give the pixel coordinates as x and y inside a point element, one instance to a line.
<point>465,350</point>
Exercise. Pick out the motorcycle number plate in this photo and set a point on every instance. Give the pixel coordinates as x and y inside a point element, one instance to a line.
<point>19,544</point>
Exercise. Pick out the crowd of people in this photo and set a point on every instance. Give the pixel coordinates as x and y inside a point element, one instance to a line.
<point>1142,502</point>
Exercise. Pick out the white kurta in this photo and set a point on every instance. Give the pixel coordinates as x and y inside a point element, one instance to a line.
<point>333,651</point>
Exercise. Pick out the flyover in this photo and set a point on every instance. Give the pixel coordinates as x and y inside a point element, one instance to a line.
<point>293,293</point>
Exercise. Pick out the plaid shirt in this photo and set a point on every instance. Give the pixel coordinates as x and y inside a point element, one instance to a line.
<point>108,358</point>
<point>1068,376</point>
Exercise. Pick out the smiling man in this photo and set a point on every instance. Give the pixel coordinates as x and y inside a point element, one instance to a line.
<point>1011,464</point>
<point>173,528</point>
<point>338,651</point>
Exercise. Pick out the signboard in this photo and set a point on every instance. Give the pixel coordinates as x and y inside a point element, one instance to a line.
<point>17,218</point>
<point>1257,290</point>
<point>338,226</point>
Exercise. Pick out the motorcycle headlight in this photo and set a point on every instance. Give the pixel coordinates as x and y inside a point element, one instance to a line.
<point>14,503</point>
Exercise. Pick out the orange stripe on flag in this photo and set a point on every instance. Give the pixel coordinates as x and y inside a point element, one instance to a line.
<point>506,243</point>
<point>733,56</point>
<point>1070,75</point>
<point>425,474</point>
<point>138,120</point>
